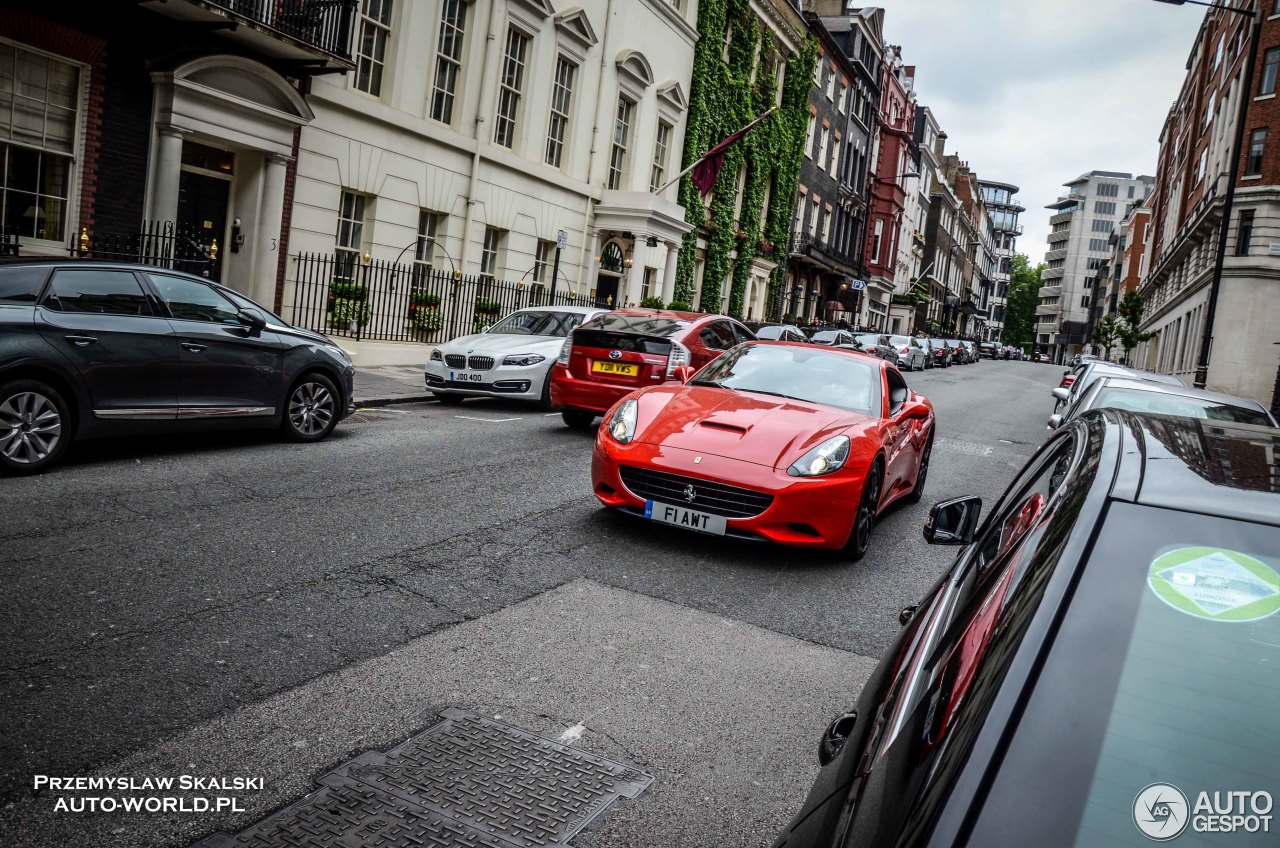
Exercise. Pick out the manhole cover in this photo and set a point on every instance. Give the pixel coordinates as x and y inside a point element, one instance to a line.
<point>467,781</point>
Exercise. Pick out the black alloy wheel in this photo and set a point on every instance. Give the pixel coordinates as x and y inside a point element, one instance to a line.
<point>311,410</point>
<point>34,426</point>
<point>865,519</point>
<point>922,475</point>
<point>544,401</point>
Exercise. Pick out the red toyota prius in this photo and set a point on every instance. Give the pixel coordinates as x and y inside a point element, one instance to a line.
<point>779,441</point>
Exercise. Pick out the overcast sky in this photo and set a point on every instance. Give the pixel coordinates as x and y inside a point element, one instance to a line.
<point>1037,92</point>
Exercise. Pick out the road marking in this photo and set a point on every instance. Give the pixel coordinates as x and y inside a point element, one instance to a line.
<point>488,420</point>
<point>549,414</point>
<point>970,448</point>
<point>572,734</point>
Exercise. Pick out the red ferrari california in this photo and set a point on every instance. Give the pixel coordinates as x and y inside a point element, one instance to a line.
<point>780,441</point>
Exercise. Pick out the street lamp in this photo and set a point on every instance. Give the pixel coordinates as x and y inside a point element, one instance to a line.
<point>1246,85</point>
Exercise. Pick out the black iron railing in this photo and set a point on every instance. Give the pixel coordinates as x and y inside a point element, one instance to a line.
<point>805,244</point>
<point>10,242</point>
<point>323,24</point>
<point>159,243</point>
<point>339,294</point>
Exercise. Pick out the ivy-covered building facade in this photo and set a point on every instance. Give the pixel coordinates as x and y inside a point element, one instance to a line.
<point>752,56</point>
<point>825,255</point>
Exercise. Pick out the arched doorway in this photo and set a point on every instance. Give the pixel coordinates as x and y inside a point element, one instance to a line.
<point>612,264</point>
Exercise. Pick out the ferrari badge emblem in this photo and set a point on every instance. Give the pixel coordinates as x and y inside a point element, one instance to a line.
<point>697,459</point>
<point>690,493</point>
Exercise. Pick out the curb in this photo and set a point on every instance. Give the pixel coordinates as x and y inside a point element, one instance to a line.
<point>370,403</point>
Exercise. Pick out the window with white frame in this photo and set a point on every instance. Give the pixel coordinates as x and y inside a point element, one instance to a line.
<point>831,85</point>
<point>621,141</point>
<point>826,226</point>
<point>510,88</point>
<point>39,107</point>
<point>371,50</point>
<point>543,264</point>
<point>349,240</point>
<point>489,258</point>
<point>823,140</point>
<point>561,103</point>
<point>876,239</point>
<point>661,143</point>
<point>808,136</point>
<point>424,252</point>
<point>453,22</point>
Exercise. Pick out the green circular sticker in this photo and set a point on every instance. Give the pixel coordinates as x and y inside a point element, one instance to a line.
<point>1215,584</point>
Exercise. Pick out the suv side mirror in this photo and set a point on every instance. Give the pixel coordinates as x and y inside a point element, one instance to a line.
<point>251,319</point>
<point>1062,393</point>
<point>1054,422</point>
<point>834,737</point>
<point>953,522</point>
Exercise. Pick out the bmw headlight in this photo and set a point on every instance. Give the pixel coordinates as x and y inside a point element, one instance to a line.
<point>436,356</point>
<point>622,424</point>
<point>523,359</point>
<point>829,456</point>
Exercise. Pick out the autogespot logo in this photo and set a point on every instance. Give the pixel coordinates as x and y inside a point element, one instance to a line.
<point>1160,811</point>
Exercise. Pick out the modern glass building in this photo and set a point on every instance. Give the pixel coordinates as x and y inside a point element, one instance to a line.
<point>1003,211</point>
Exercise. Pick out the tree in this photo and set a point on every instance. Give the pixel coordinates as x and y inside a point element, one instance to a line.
<point>1106,334</point>
<point>1130,310</point>
<point>1024,297</point>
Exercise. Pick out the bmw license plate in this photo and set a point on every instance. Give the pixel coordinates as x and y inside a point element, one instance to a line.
<point>465,377</point>
<point>683,517</point>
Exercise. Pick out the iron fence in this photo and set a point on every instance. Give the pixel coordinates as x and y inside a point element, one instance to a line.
<point>158,243</point>
<point>341,295</point>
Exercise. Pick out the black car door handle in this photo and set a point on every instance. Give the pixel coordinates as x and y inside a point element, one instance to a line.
<point>81,341</point>
<point>193,347</point>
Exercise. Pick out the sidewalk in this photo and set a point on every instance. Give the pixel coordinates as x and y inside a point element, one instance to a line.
<point>381,385</point>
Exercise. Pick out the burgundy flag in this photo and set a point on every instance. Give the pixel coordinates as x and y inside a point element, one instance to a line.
<point>706,171</point>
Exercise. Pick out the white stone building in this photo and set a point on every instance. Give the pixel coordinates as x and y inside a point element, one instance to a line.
<point>472,131</point>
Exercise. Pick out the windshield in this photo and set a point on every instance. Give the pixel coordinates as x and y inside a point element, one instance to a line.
<point>800,373</point>
<point>1173,633</point>
<point>645,325</point>
<point>868,339</point>
<point>1159,403</point>
<point>769,333</point>
<point>537,324</point>
<point>825,336</point>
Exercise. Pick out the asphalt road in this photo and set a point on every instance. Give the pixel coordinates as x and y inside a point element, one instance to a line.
<point>164,596</point>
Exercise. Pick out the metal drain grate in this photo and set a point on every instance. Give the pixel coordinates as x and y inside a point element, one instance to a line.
<point>467,781</point>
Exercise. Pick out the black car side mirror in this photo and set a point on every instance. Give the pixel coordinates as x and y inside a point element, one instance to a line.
<point>252,320</point>
<point>953,522</point>
<point>908,613</point>
<point>834,737</point>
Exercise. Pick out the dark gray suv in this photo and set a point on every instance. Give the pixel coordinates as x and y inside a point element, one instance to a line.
<point>91,349</point>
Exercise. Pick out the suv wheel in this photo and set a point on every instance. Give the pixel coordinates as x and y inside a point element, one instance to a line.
<point>34,426</point>
<point>311,410</point>
<point>578,419</point>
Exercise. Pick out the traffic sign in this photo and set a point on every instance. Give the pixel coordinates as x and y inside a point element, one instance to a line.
<point>561,240</point>
<point>857,285</point>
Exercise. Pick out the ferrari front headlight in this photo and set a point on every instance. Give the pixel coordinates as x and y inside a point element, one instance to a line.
<point>827,457</point>
<point>622,424</point>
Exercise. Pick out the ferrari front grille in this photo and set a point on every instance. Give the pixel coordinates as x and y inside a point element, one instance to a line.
<point>707,496</point>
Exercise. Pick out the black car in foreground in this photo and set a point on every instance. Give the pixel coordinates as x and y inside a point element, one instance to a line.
<point>1100,666</point>
<point>91,349</point>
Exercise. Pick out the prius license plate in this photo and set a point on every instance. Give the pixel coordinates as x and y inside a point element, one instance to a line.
<point>683,517</point>
<point>626,369</point>
<point>465,377</point>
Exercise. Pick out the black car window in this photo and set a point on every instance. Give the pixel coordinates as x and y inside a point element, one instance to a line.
<point>898,391</point>
<point>1165,670</point>
<point>192,301</point>
<point>717,335</point>
<point>741,333</point>
<point>22,283</point>
<point>245,303</point>
<point>968,665</point>
<point>97,291</point>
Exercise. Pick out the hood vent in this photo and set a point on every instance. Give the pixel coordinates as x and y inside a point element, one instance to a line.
<point>730,428</point>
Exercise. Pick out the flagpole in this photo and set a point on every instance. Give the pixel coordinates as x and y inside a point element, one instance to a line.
<point>678,176</point>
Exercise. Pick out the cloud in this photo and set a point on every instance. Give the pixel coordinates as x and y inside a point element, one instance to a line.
<point>1037,92</point>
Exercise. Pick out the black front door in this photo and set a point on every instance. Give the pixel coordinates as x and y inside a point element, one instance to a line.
<point>202,218</point>
<point>607,292</point>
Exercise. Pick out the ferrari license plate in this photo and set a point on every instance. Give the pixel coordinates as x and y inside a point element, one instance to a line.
<point>626,369</point>
<point>683,517</point>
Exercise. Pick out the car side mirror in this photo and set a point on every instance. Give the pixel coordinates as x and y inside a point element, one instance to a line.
<point>834,737</point>
<point>915,409</point>
<point>1054,422</point>
<point>251,319</point>
<point>684,373</point>
<point>486,328</point>
<point>1062,393</point>
<point>908,613</point>
<point>953,522</point>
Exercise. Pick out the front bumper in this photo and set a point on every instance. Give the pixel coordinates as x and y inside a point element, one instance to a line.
<point>813,512</point>
<point>348,380</point>
<point>510,381</point>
